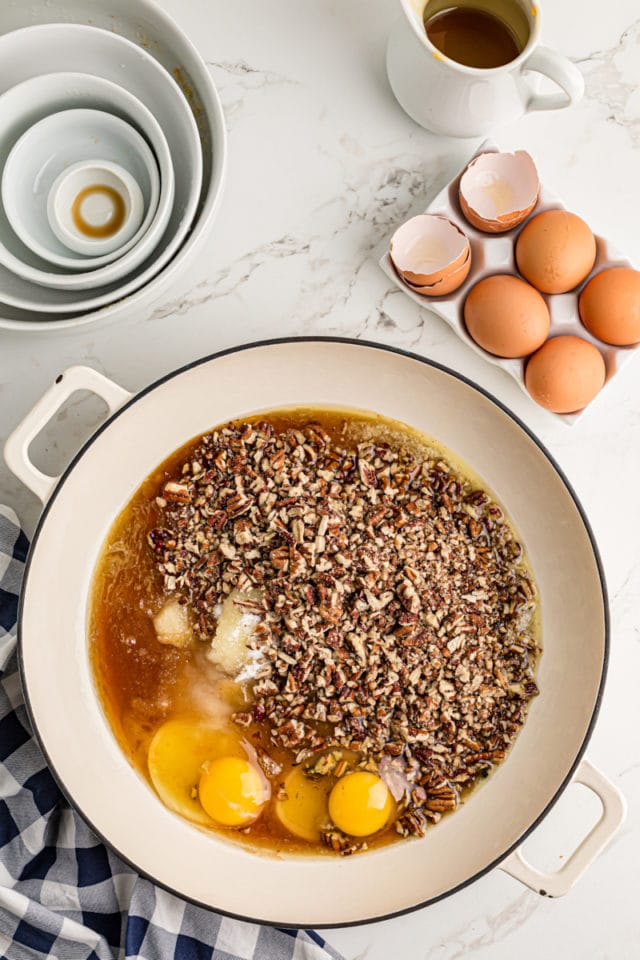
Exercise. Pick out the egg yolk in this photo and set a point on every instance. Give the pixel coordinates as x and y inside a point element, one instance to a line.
<point>360,804</point>
<point>176,755</point>
<point>303,810</point>
<point>232,791</point>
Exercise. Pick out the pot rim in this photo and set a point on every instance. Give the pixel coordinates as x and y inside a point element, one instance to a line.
<point>543,450</point>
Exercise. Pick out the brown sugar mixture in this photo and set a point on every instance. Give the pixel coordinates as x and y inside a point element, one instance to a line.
<point>314,630</point>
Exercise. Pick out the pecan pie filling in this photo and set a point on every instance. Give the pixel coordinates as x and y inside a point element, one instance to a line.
<point>324,635</point>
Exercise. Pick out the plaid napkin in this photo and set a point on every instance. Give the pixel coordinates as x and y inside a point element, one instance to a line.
<point>63,894</point>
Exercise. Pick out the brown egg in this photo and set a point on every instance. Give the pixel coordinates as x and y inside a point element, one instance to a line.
<point>555,251</point>
<point>506,316</point>
<point>610,306</point>
<point>565,374</point>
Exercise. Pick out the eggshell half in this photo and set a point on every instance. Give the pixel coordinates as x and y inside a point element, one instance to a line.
<point>498,191</point>
<point>610,306</point>
<point>427,251</point>
<point>447,285</point>
<point>565,374</point>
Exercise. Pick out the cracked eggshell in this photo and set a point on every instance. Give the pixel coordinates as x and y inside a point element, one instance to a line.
<point>498,191</point>
<point>446,285</point>
<point>431,255</point>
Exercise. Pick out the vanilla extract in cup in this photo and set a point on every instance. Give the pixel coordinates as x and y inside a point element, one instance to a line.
<point>462,68</point>
<point>483,34</point>
<point>98,211</point>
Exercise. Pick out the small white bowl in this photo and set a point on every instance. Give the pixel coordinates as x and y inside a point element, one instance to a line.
<point>18,264</point>
<point>49,147</point>
<point>31,101</point>
<point>34,50</point>
<point>87,198</point>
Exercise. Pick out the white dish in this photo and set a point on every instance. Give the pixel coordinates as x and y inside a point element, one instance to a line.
<point>143,22</point>
<point>48,149</point>
<point>46,48</point>
<point>93,179</point>
<point>119,803</point>
<point>34,99</point>
<point>495,253</point>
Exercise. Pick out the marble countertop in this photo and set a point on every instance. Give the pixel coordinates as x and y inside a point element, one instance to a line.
<point>322,165</point>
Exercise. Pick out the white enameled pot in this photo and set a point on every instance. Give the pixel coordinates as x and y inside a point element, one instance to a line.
<point>73,732</point>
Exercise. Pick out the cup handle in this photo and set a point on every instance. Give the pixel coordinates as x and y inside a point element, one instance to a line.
<point>564,73</point>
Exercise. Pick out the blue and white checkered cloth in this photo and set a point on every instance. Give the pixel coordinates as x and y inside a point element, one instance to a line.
<point>63,894</point>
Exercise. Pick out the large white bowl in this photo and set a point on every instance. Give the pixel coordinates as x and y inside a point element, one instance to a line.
<point>143,22</point>
<point>117,800</point>
<point>34,99</point>
<point>47,48</point>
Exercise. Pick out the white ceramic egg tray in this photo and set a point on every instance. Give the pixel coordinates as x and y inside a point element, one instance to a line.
<point>495,253</point>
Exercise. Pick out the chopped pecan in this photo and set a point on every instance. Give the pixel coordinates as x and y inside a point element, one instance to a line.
<point>397,610</point>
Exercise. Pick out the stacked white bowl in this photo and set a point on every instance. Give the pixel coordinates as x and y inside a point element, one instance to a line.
<point>112,151</point>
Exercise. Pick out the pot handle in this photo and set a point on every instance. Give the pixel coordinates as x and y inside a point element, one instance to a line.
<point>614,809</point>
<point>16,451</point>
